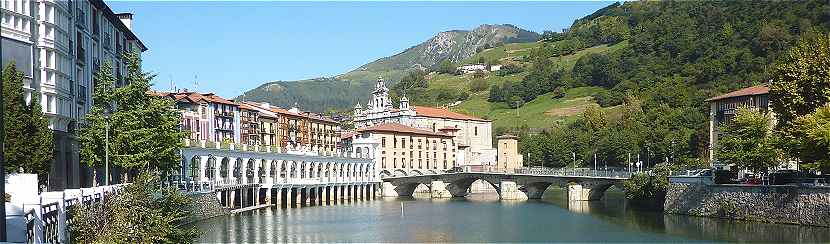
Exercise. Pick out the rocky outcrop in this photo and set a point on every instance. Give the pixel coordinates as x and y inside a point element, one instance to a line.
<point>773,204</point>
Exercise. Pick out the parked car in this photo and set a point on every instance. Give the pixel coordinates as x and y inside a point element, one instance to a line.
<point>725,176</point>
<point>790,177</point>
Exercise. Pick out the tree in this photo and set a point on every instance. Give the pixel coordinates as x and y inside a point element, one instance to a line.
<point>140,213</point>
<point>144,128</point>
<point>815,139</point>
<point>800,84</point>
<point>746,142</point>
<point>478,85</point>
<point>446,67</point>
<point>28,143</point>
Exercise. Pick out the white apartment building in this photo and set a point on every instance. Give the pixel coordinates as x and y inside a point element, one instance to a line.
<point>59,45</point>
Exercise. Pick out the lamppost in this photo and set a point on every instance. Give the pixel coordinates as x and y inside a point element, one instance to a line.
<point>106,145</point>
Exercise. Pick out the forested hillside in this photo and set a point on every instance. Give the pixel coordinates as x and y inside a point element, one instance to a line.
<point>668,57</point>
<point>678,54</point>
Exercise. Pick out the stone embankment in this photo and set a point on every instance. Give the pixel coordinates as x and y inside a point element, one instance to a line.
<point>205,206</point>
<point>774,204</point>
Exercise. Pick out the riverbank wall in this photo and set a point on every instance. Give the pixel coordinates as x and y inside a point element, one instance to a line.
<point>205,205</point>
<point>802,205</point>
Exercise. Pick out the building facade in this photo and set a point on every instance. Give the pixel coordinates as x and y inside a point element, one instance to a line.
<point>403,150</point>
<point>473,135</point>
<point>58,46</point>
<point>211,118</point>
<point>722,110</point>
<point>509,158</point>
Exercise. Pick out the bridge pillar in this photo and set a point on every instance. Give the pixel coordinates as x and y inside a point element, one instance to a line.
<point>439,190</point>
<point>362,195</point>
<point>328,192</point>
<point>509,190</point>
<point>578,192</point>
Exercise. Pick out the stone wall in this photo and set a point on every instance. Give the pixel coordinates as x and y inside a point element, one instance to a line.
<point>205,206</point>
<point>774,204</point>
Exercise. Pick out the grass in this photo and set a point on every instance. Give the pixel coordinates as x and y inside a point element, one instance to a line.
<point>543,111</point>
<point>538,113</point>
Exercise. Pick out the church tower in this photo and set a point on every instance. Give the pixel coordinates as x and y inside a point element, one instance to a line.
<point>380,98</point>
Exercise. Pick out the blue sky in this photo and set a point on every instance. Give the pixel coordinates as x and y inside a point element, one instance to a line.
<point>236,46</point>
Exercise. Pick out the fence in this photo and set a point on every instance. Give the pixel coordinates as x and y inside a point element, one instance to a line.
<point>574,172</point>
<point>47,221</point>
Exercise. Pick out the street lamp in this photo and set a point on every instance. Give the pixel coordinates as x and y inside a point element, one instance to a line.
<point>107,145</point>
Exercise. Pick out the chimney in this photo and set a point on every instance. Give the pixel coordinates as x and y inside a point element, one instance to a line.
<point>127,19</point>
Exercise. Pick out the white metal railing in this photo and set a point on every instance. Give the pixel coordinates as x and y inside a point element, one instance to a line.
<point>47,221</point>
<point>541,171</point>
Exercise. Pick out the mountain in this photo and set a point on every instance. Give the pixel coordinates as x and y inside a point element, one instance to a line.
<point>343,91</point>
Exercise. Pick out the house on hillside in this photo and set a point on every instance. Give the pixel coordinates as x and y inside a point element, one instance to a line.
<point>722,110</point>
<point>472,68</point>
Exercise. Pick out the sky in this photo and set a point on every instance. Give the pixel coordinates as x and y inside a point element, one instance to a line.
<point>229,47</point>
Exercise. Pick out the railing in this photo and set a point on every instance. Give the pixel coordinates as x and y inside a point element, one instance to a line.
<point>47,221</point>
<point>576,172</point>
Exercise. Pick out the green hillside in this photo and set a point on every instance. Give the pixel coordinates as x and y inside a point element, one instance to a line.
<point>541,112</point>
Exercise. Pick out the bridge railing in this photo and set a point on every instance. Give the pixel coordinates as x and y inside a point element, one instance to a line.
<point>575,172</point>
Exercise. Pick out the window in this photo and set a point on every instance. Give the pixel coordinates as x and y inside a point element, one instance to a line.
<point>394,163</point>
<point>383,162</point>
<point>394,143</point>
<point>383,141</point>
<point>419,164</point>
<point>475,130</point>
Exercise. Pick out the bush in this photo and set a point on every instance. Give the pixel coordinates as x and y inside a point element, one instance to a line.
<point>509,69</point>
<point>649,189</point>
<point>138,214</point>
<point>478,85</point>
<point>609,98</point>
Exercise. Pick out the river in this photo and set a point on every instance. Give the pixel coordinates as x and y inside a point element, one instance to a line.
<point>483,218</point>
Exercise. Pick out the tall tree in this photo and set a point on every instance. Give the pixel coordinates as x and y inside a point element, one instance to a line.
<point>143,127</point>
<point>801,83</point>
<point>28,142</point>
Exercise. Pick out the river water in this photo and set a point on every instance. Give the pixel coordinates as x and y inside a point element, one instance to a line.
<point>483,218</point>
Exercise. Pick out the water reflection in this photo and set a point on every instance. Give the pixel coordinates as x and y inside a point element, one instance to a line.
<point>483,218</point>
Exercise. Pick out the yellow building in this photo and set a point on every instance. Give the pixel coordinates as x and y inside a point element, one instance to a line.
<point>403,150</point>
<point>508,158</point>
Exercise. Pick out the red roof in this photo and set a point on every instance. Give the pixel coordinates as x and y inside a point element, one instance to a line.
<point>444,113</point>
<point>749,91</point>
<point>395,127</point>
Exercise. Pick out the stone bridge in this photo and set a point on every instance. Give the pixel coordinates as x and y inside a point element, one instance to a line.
<point>510,186</point>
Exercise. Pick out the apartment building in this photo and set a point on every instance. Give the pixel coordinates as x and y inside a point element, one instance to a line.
<point>268,123</point>
<point>403,150</point>
<point>59,45</point>
<point>307,131</point>
<point>249,125</point>
<point>722,110</point>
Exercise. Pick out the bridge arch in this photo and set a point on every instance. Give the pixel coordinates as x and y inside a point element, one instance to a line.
<point>417,172</point>
<point>432,172</point>
<point>194,172</point>
<point>261,171</point>
<point>459,186</point>
<point>399,172</point>
<point>224,170</point>
<point>237,170</point>
<point>210,169</point>
<point>250,170</point>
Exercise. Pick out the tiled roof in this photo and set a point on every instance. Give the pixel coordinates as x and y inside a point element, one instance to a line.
<point>395,127</point>
<point>444,113</point>
<point>749,91</point>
